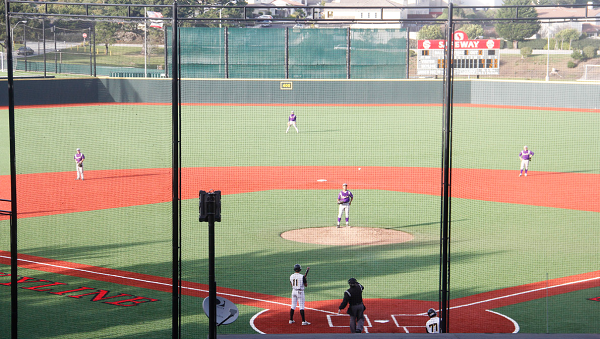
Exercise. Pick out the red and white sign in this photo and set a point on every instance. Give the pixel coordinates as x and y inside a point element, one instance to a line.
<point>84,35</point>
<point>460,41</point>
<point>460,44</point>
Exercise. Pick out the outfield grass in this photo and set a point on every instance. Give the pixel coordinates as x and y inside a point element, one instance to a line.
<point>494,245</point>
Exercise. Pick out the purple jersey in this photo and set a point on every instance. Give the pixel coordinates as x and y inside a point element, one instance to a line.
<point>525,155</point>
<point>344,197</point>
<point>292,117</point>
<point>79,157</point>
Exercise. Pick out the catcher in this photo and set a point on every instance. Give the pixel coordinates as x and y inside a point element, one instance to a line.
<point>79,158</point>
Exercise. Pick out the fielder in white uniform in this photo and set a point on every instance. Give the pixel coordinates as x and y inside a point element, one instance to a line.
<point>433,324</point>
<point>298,282</point>
<point>79,158</point>
<point>525,157</point>
<point>344,200</point>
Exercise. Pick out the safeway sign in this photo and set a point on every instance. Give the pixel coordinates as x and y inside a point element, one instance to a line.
<point>460,41</point>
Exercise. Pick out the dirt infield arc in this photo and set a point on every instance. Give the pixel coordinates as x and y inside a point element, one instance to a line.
<point>119,188</point>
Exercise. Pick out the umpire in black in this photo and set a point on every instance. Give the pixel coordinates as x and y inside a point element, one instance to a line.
<point>356,310</point>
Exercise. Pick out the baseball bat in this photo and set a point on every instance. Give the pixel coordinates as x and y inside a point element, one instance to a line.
<point>306,273</point>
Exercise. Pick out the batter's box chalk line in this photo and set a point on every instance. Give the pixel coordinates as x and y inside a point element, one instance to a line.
<point>330,321</point>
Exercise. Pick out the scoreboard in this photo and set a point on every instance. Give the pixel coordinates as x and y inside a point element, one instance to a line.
<point>471,57</point>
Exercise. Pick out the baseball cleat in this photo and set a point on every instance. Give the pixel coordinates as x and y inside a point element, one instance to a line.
<point>305,323</point>
<point>525,175</point>
<point>291,321</point>
<point>338,226</point>
<point>520,174</point>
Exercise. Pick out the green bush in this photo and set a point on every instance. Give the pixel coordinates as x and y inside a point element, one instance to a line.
<point>571,64</point>
<point>526,52</point>
<point>580,44</point>
<point>576,55</point>
<point>590,52</point>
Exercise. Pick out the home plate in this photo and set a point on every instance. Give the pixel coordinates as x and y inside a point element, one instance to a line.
<point>381,321</point>
<point>321,180</point>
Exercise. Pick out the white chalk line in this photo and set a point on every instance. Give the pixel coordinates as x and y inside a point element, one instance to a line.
<point>158,283</point>
<point>313,309</point>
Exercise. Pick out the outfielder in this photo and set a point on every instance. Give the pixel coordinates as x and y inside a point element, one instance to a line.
<point>356,310</point>
<point>344,200</point>
<point>79,158</point>
<point>525,157</point>
<point>298,282</point>
<point>291,122</point>
<point>433,324</point>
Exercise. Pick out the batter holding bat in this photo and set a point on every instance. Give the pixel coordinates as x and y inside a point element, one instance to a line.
<point>344,200</point>
<point>298,282</point>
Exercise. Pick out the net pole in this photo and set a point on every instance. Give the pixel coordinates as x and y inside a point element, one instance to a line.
<point>13,176</point>
<point>176,246</point>
<point>445,260</point>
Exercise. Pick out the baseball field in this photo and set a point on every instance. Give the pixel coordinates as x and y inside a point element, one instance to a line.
<point>95,255</point>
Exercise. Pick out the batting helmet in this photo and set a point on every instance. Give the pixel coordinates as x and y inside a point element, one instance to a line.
<point>297,268</point>
<point>352,281</point>
<point>431,313</point>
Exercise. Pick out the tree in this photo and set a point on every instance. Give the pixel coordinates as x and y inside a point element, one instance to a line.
<point>105,33</point>
<point>518,30</point>
<point>567,34</point>
<point>472,30</point>
<point>430,32</point>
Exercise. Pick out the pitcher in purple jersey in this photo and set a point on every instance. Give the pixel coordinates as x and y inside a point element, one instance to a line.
<point>79,158</point>
<point>525,157</point>
<point>344,200</point>
<point>291,122</point>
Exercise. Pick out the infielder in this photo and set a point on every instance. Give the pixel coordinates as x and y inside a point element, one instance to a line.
<point>356,310</point>
<point>525,157</point>
<point>79,158</point>
<point>433,324</point>
<point>291,122</point>
<point>298,282</point>
<point>344,200</point>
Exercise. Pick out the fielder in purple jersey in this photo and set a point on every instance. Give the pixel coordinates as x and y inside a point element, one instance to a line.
<point>525,157</point>
<point>344,200</point>
<point>79,158</point>
<point>291,122</point>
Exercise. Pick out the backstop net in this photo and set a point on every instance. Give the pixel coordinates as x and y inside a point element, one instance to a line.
<point>278,116</point>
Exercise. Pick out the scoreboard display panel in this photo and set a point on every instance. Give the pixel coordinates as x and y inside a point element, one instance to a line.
<point>471,57</point>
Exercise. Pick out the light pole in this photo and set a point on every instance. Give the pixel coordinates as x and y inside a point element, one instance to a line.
<point>548,56</point>
<point>13,29</point>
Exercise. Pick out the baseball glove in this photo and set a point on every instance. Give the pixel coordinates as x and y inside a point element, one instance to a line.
<point>80,164</point>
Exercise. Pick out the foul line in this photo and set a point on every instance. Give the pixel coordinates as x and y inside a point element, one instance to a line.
<point>525,292</point>
<point>159,283</point>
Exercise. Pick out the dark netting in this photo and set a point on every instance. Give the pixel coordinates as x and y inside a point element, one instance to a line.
<point>378,53</point>
<point>267,115</point>
<point>318,53</point>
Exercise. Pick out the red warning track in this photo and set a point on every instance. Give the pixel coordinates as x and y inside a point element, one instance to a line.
<point>383,315</point>
<point>58,193</point>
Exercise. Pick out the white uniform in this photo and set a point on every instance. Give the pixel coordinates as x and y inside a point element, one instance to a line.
<point>433,325</point>
<point>297,282</point>
<point>79,157</point>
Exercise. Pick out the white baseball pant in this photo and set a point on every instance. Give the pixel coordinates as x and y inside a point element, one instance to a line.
<point>298,298</point>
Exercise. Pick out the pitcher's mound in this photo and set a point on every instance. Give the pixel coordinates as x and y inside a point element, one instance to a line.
<point>347,236</point>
